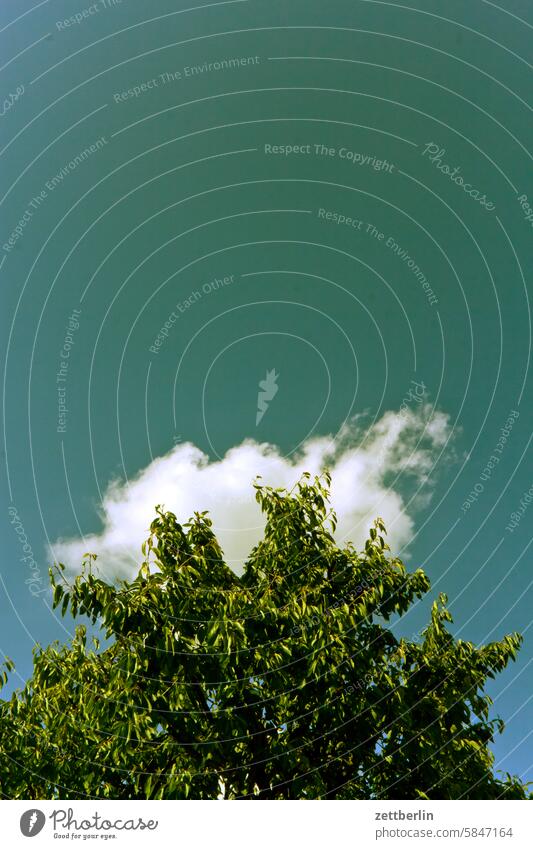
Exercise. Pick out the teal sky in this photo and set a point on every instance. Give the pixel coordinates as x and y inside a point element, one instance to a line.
<point>191,183</point>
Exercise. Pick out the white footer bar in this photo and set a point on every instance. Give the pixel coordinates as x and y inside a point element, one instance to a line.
<point>267,825</point>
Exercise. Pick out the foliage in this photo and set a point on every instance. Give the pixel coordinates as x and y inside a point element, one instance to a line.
<point>283,683</point>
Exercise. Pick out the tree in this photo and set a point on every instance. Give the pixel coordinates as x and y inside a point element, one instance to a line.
<point>283,683</point>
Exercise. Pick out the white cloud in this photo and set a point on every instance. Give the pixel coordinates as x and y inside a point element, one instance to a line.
<point>382,469</point>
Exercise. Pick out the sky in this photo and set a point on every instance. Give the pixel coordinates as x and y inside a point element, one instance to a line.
<point>258,238</point>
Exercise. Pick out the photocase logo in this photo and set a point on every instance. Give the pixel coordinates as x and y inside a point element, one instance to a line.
<point>268,389</point>
<point>32,822</point>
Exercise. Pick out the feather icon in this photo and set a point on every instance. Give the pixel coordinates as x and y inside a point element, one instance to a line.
<point>268,389</point>
<point>32,822</point>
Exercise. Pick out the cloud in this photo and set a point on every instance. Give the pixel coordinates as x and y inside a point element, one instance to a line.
<point>382,469</point>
